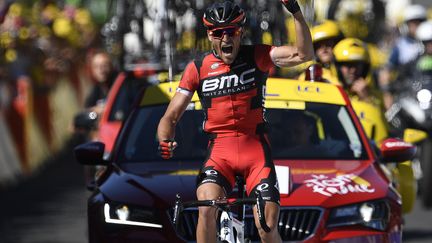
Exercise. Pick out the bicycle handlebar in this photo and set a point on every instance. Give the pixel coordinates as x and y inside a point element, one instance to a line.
<point>220,203</point>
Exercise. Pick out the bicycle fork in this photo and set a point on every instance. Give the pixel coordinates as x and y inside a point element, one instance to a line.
<point>231,230</point>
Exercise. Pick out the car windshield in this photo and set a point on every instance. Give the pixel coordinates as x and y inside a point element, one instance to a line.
<point>320,131</point>
<point>127,93</point>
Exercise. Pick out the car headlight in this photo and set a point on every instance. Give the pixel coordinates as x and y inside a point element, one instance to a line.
<point>128,215</point>
<point>372,214</point>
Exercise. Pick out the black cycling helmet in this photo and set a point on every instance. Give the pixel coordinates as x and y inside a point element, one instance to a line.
<point>223,14</point>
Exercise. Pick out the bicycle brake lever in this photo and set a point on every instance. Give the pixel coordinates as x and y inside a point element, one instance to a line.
<point>260,210</point>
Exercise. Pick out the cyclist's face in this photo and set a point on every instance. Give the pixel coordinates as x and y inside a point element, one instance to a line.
<point>226,42</point>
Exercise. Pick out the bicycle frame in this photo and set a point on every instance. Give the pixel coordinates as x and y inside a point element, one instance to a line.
<point>231,229</point>
<point>227,222</point>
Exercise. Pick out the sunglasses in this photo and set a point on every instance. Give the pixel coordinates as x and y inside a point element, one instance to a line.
<point>219,33</point>
<point>324,43</point>
<point>357,65</point>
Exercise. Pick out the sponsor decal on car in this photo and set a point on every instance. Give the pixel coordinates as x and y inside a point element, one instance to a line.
<point>340,184</point>
<point>398,144</point>
<point>308,89</point>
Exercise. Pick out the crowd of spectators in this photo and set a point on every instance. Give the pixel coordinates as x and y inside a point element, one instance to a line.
<point>43,44</point>
<point>42,41</point>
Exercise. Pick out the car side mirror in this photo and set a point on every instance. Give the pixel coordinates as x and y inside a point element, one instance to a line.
<point>397,150</point>
<point>90,153</point>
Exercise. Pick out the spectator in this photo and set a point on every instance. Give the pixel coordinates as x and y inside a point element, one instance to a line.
<point>324,37</point>
<point>422,65</point>
<point>102,74</point>
<point>424,34</point>
<point>354,70</point>
<point>406,49</point>
<point>353,63</point>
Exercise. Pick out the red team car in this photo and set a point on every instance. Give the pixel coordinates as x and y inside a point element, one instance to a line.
<point>333,182</point>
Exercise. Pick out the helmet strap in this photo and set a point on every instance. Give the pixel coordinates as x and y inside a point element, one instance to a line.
<point>215,53</point>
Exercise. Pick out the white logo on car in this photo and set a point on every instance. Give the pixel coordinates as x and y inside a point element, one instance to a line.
<point>341,184</point>
<point>397,144</point>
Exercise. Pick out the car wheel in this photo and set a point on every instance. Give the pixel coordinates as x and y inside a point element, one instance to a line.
<point>426,180</point>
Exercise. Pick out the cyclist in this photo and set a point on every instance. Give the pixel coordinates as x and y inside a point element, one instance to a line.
<point>230,81</point>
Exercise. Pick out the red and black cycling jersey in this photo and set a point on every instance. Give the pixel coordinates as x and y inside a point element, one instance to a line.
<point>232,95</point>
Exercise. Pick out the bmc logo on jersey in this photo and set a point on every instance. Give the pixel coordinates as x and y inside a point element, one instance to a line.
<point>229,81</point>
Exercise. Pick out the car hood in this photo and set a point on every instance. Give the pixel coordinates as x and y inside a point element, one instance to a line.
<point>151,184</point>
<point>326,183</point>
<point>330,183</point>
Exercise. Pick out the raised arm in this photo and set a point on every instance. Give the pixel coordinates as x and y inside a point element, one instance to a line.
<point>287,56</point>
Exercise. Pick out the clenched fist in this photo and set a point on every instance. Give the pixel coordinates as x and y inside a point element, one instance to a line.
<point>166,148</point>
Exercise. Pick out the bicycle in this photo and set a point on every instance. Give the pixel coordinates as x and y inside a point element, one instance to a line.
<point>231,228</point>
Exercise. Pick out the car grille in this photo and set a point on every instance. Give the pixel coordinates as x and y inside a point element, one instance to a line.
<point>295,224</point>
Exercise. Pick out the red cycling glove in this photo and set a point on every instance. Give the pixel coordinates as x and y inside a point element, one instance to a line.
<point>166,148</point>
<point>291,5</point>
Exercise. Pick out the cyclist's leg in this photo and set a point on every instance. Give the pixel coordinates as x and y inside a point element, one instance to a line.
<point>216,180</point>
<point>272,216</point>
<point>262,177</point>
<point>207,217</point>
